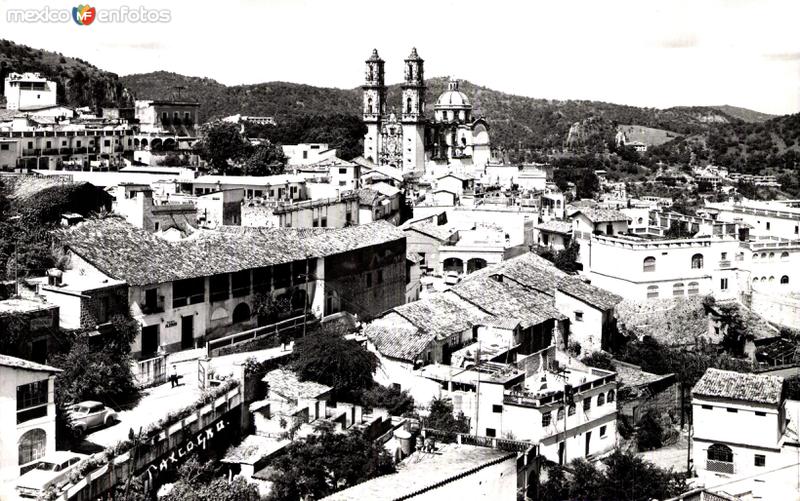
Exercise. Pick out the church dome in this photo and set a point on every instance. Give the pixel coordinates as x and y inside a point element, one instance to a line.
<point>453,98</point>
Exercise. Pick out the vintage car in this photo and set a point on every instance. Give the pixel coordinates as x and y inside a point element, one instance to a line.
<point>51,470</point>
<point>90,414</point>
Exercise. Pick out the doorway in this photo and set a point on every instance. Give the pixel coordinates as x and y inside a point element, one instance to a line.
<point>149,339</point>
<point>588,440</point>
<point>562,449</point>
<point>187,332</point>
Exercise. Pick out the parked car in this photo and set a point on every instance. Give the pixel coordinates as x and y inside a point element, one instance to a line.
<point>90,414</point>
<point>451,278</point>
<point>51,470</point>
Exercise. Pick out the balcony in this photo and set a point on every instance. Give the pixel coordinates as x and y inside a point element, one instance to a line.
<point>50,151</point>
<point>720,466</point>
<point>31,152</point>
<point>66,151</point>
<point>725,264</point>
<point>148,309</point>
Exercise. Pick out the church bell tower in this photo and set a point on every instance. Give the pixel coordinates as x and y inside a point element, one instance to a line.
<point>374,105</point>
<point>413,113</point>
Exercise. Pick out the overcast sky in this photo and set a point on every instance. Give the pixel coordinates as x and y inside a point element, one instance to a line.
<point>640,52</point>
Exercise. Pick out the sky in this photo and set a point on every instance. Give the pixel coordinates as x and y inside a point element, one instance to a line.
<point>653,53</point>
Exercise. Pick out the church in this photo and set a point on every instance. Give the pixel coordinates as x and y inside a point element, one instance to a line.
<point>454,141</point>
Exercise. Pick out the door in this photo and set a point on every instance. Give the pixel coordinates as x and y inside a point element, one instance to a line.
<point>149,339</point>
<point>187,332</point>
<point>95,416</point>
<point>561,451</point>
<point>588,439</point>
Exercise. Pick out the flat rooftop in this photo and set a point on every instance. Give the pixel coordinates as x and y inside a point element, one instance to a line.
<point>22,306</point>
<point>423,470</point>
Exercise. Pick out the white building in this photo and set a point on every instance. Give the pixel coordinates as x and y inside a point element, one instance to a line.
<point>773,219</point>
<point>26,91</point>
<point>307,153</point>
<point>724,405</point>
<point>27,417</point>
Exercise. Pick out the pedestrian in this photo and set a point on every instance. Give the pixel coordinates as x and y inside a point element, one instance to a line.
<point>174,377</point>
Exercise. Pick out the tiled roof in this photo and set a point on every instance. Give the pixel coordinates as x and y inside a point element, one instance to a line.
<point>286,383</point>
<point>385,189</point>
<point>403,342</point>
<point>19,363</point>
<point>508,300</point>
<point>555,226</point>
<point>441,314</point>
<point>602,215</point>
<point>633,375</point>
<point>594,296</point>
<point>424,471</point>
<point>740,386</point>
<point>249,180</point>
<point>439,232</point>
<point>127,253</point>
<point>367,196</point>
<point>530,270</point>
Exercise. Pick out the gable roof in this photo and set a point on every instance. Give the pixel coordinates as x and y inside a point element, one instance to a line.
<point>757,388</point>
<point>593,296</point>
<point>439,232</point>
<point>601,215</point>
<point>555,226</point>
<point>288,385</point>
<point>19,363</point>
<point>137,257</point>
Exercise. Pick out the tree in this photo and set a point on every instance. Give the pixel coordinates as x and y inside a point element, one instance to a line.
<point>624,476</point>
<point>600,360</point>
<point>397,402</point>
<point>587,185</point>
<point>326,357</point>
<point>650,434</point>
<point>325,462</point>
<point>441,417</point>
<point>266,159</point>
<point>678,229</point>
<point>220,142</point>
<point>200,482</point>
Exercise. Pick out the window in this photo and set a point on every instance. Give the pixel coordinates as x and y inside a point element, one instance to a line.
<point>707,407</point>
<point>369,279</point>
<point>189,291</point>
<point>758,413</point>
<point>720,452</point>
<point>771,256</point>
<point>723,256</point>
<point>497,408</point>
<point>107,143</point>
<point>723,284</point>
<point>694,288</point>
<point>241,283</point>
<point>380,276</point>
<point>649,264</point>
<point>571,410</point>
<point>697,262</point>
<point>601,400</point>
<point>343,170</point>
<point>32,446</point>
<point>4,147</point>
<point>32,401</point>
<point>732,410</point>
<point>768,225</point>
<point>547,417</point>
<point>602,431</point>
<point>610,397</point>
<point>579,316</point>
<point>156,226</point>
<point>784,256</point>
<point>587,404</point>
<point>490,432</point>
<point>760,460</point>
<point>652,291</point>
<point>220,285</point>
<point>785,279</point>
<point>677,289</point>
<point>560,414</point>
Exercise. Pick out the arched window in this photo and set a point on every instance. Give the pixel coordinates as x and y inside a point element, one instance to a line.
<point>677,289</point>
<point>784,256</point>
<point>610,397</point>
<point>649,264</point>
<point>763,255</point>
<point>652,291</point>
<point>601,400</point>
<point>241,313</point>
<point>771,256</point>
<point>771,279</point>
<point>408,105</point>
<point>560,414</point>
<point>763,279</point>
<point>571,410</point>
<point>32,445</point>
<point>755,280</point>
<point>755,256</point>
<point>639,221</point>
<point>720,452</point>
<point>784,279</point>
<point>369,106</point>
<point>694,288</point>
<point>697,262</point>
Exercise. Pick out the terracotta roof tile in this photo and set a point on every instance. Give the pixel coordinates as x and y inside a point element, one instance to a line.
<point>740,386</point>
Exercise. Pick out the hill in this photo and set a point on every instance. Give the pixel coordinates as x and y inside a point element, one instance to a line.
<point>79,82</point>
<point>744,114</point>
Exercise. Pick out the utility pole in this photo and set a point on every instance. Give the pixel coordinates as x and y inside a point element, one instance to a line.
<point>305,299</point>
<point>16,267</point>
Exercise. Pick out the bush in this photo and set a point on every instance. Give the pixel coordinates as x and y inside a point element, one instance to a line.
<point>599,360</point>
<point>650,434</point>
<point>398,403</point>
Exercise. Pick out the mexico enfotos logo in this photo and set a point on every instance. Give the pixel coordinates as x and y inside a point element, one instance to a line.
<point>85,15</point>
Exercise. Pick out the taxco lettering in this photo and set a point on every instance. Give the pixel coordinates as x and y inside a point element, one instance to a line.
<point>199,443</point>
